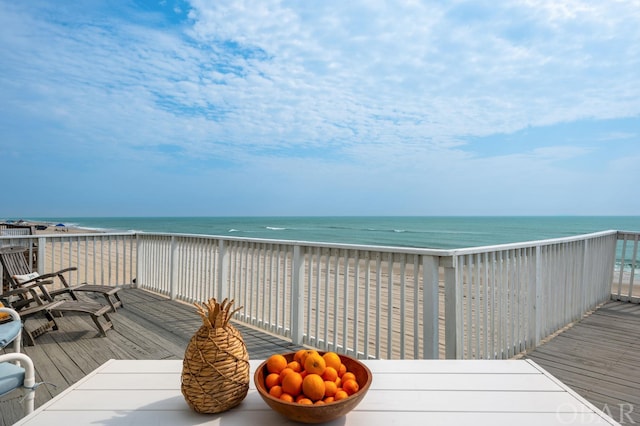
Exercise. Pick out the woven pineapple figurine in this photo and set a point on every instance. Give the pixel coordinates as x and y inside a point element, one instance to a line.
<point>215,370</point>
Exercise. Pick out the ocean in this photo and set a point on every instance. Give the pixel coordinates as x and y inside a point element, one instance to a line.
<point>425,232</point>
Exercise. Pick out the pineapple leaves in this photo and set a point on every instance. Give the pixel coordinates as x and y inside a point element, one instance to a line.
<point>214,314</point>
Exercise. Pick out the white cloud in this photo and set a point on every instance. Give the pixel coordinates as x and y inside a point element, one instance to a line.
<point>430,74</point>
<point>375,88</point>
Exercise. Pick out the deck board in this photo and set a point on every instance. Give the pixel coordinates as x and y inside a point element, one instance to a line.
<point>597,357</point>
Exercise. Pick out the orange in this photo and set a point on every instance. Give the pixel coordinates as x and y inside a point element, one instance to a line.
<point>339,382</point>
<point>328,399</point>
<point>286,397</point>
<point>330,388</point>
<point>292,383</point>
<point>348,376</point>
<point>295,366</point>
<point>315,364</point>
<point>342,370</point>
<point>330,373</point>
<point>340,395</point>
<point>299,355</point>
<point>284,372</point>
<point>332,359</point>
<point>313,387</point>
<point>319,402</point>
<point>304,356</point>
<point>305,401</point>
<point>350,386</point>
<point>271,380</point>
<point>276,391</point>
<point>276,363</point>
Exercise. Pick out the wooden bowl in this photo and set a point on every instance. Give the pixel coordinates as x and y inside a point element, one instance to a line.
<point>316,413</point>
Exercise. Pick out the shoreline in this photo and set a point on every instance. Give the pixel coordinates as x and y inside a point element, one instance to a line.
<point>48,228</point>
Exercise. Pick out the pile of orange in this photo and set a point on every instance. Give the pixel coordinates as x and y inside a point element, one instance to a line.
<point>310,378</point>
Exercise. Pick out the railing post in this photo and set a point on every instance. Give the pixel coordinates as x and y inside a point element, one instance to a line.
<point>173,268</point>
<point>622,259</point>
<point>431,281</point>
<point>536,300</point>
<point>297,299</point>
<point>538,311</point>
<point>633,265</point>
<point>222,270</point>
<point>42,249</point>
<point>136,280</point>
<point>590,294</point>
<point>451,308</point>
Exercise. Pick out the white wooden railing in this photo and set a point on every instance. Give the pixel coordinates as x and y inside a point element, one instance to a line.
<point>368,301</point>
<point>510,297</point>
<point>107,259</point>
<point>307,292</point>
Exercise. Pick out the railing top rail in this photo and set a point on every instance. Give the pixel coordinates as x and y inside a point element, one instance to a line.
<point>527,244</point>
<point>393,249</point>
<point>362,247</point>
<point>68,235</point>
<point>627,234</point>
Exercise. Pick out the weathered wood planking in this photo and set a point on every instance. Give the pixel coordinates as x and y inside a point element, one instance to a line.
<point>599,358</point>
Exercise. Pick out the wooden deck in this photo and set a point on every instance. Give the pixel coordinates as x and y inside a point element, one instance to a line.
<point>598,357</point>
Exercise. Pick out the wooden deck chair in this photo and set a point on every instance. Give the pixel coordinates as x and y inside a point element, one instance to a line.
<point>7,231</point>
<point>28,304</point>
<point>12,258</point>
<point>18,271</point>
<point>41,301</point>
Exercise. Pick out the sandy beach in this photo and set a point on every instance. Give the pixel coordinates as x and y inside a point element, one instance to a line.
<point>62,229</point>
<point>43,228</point>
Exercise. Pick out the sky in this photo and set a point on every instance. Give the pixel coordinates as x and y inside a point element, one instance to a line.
<point>315,108</point>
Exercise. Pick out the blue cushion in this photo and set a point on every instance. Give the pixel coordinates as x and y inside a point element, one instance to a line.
<point>9,331</point>
<point>11,377</point>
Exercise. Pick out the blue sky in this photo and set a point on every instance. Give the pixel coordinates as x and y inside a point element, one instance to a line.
<point>267,107</point>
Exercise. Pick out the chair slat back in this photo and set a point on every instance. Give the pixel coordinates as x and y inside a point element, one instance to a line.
<point>14,263</point>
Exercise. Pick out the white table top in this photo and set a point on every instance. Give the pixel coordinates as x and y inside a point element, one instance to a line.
<point>421,392</point>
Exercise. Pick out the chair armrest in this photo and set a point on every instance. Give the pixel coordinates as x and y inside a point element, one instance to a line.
<point>11,331</point>
<point>37,280</point>
<point>19,291</point>
<point>60,272</point>
<point>30,289</point>
<point>26,363</point>
<point>11,312</point>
